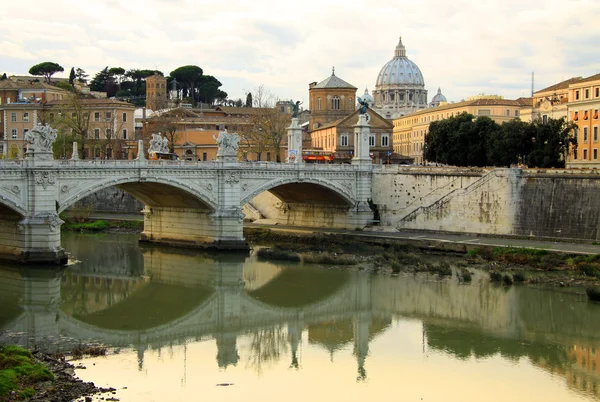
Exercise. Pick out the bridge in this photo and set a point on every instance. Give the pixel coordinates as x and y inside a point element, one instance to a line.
<point>193,204</point>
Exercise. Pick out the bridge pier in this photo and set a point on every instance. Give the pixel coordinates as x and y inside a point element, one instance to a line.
<point>193,227</point>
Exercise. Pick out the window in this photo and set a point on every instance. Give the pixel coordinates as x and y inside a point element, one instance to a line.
<point>484,112</point>
<point>97,133</point>
<point>268,157</point>
<point>124,117</point>
<point>108,115</point>
<point>585,154</point>
<point>335,103</point>
<point>13,133</point>
<point>595,133</point>
<point>587,95</point>
<point>344,140</point>
<point>124,133</point>
<point>25,116</point>
<point>13,117</point>
<point>25,131</point>
<point>204,156</point>
<point>516,113</point>
<point>577,98</point>
<point>385,142</point>
<point>318,103</point>
<point>371,140</point>
<point>545,119</point>
<point>574,154</point>
<point>96,116</point>
<point>107,133</point>
<point>595,153</point>
<point>597,92</point>
<point>1,148</point>
<point>585,135</point>
<point>508,112</point>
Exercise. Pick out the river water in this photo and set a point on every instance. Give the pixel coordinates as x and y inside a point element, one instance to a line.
<point>185,325</point>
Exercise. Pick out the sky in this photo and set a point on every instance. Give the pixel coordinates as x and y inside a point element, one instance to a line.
<point>465,47</point>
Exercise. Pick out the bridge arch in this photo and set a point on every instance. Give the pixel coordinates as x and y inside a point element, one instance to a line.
<point>12,205</point>
<point>151,192</point>
<point>282,188</point>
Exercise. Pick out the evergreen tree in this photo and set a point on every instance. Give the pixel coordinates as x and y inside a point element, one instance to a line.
<point>249,99</point>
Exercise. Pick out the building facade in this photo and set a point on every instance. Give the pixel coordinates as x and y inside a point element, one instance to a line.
<point>400,87</point>
<point>330,100</point>
<point>156,92</point>
<point>583,107</point>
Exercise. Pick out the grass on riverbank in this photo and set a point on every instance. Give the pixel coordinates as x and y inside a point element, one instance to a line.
<point>19,372</point>
<point>100,225</point>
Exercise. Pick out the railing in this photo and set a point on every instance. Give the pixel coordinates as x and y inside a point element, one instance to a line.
<point>181,164</point>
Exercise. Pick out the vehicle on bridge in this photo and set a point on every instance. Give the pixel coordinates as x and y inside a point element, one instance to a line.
<point>317,156</point>
<point>154,156</point>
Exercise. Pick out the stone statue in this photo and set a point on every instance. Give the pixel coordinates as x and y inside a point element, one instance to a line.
<point>158,144</point>
<point>295,108</point>
<point>40,138</point>
<point>364,105</point>
<point>227,141</point>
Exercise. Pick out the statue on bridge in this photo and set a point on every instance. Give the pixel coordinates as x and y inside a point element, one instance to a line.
<point>40,138</point>
<point>295,108</point>
<point>227,141</point>
<point>159,144</point>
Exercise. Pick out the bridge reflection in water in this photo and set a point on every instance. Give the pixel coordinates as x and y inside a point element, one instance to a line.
<point>152,298</point>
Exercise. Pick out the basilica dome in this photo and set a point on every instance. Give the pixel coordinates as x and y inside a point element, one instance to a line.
<point>400,70</point>
<point>400,87</point>
<point>437,99</point>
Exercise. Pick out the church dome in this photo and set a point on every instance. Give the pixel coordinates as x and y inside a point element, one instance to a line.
<point>438,98</point>
<point>367,97</point>
<point>400,70</point>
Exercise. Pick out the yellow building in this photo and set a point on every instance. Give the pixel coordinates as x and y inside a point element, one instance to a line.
<point>583,106</point>
<point>549,103</point>
<point>330,100</point>
<point>410,130</point>
<point>338,137</point>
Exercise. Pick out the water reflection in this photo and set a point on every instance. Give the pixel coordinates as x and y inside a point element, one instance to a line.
<point>152,298</point>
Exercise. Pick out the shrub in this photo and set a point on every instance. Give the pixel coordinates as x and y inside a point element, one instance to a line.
<point>593,293</point>
<point>277,254</point>
<point>466,275</point>
<point>507,279</point>
<point>328,260</point>
<point>588,269</point>
<point>495,276</point>
<point>519,277</point>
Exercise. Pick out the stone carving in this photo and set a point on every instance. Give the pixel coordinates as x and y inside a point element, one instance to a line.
<point>43,218</point>
<point>227,141</point>
<point>209,187</point>
<point>44,178</point>
<point>232,179</point>
<point>14,189</point>
<point>64,188</point>
<point>159,144</point>
<point>40,139</point>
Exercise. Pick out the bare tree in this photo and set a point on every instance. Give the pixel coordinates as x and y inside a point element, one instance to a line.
<point>267,128</point>
<point>72,119</point>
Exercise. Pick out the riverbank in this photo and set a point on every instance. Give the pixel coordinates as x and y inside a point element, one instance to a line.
<point>505,265</point>
<point>38,376</point>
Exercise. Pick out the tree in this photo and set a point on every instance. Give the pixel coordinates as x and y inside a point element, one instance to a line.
<point>550,143</point>
<point>167,123</point>
<point>190,77</point>
<point>249,99</point>
<point>65,85</point>
<point>267,128</point>
<point>99,81</point>
<point>72,76</point>
<point>3,77</point>
<point>117,73</point>
<point>72,118</point>
<point>81,75</point>
<point>510,144</point>
<point>46,69</point>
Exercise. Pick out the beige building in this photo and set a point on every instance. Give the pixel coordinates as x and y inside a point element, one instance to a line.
<point>549,103</point>
<point>106,125</point>
<point>338,137</point>
<point>410,130</point>
<point>330,100</point>
<point>156,92</point>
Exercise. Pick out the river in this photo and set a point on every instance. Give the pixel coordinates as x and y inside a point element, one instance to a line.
<point>186,325</point>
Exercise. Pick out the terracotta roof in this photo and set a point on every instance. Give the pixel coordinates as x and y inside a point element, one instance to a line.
<point>92,102</point>
<point>17,85</point>
<point>561,85</point>
<point>525,101</point>
<point>595,77</point>
<point>475,102</point>
<point>333,82</point>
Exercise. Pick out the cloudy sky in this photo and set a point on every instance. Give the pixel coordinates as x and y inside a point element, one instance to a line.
<point>466,47</point>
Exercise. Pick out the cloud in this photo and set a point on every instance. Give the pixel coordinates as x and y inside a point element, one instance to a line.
<point>464,47</point>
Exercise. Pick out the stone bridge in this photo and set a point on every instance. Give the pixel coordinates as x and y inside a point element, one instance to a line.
<point>186,203</point>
